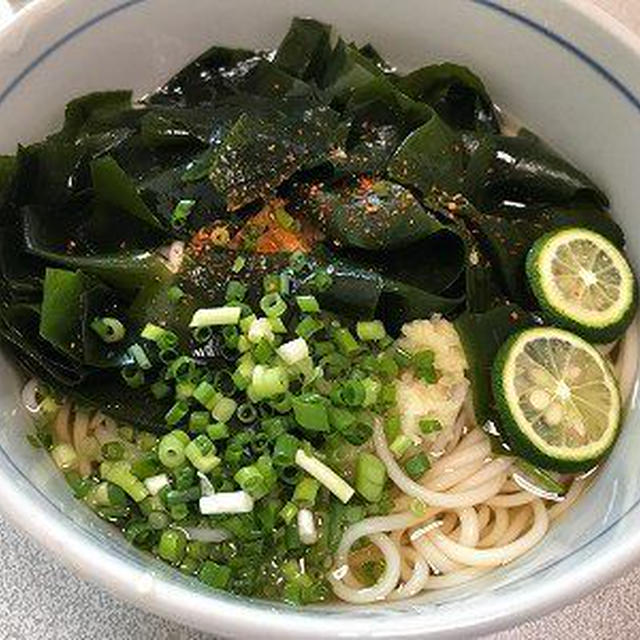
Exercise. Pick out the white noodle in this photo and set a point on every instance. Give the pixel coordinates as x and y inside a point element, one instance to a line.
<point>484,516</point>
<point>450,500</point>
<point>473,437</point>
<point>419,577</point>
<point>368,526</point>
<point>497,555</point>
<point>61,425</point>
<point>478,451</point>
<point>469,530</point>
<point>512,499</point>
<point>452,477</point>
<point>495,468</point>
<point>500,526</point>
<point>519,519</point>
<point>434,556</point>
<point>385,584</point>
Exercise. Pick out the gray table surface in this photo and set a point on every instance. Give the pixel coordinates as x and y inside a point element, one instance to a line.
<point>40,599</point>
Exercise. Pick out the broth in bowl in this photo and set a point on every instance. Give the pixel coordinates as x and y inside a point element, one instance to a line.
<point>308,328</point>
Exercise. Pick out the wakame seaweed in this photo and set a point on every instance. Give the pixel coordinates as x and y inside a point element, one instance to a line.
<point>425,204</point>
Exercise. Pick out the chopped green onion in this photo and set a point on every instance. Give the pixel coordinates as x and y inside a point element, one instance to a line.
<point>284,450</point>
<point>352,393</point>
<point>243,344</point>
<point>282,403</point>
<point>322,280</point>
<point>345,341</point>
<point>182,436</point>
<point>178,411</point>
<point>401,357</point>
<point>171,451</point>
<point>268,382</point>
<point>64,455</point>
<point>217,431</point>
<point>158,520</point>
<point>273,305</point>
<point>271,283</point>
<point>201,452</point>
<point>400,445</point>
<point>371,476</point>
<point>79,485</point>
<point>109,329</point>
<point>160,389</point>
<point>236,291</point>
<point>324,475</point>
<point>251,480</point>
<point>168,355</point>
<point>145,466</point>
<point>341,419</point>
<point>540,477</point>
<point>119,473</point>
<point>215,316</point>
<point>246,413</point>
<point>371,391</point>
<point>358,433</point>
<point>370,330</point>
<point>198,421</point>
<point>181,368</point>
<point>184,389</point>
<point>172,545</point>
<point>293,351</point>
<point>308,304</point>
<point>162,337</point>
<point>387,396</point>
<point>310,411</point>
<point>277,326</point>
<point>175,294</point>
<point>112,450</point>
<point>155,483</point>
<point>429,425</point>
<point>181,212</point>
<point>263,351</point>
<point>230,335</point>
<point>308,326</point>
<point>206,394</point>
<point>297,260</point>
<point>305,492</point>
<point>387,367</point>
<point>260,329</point>
<point>392,426</point>
<point>238,264</point>
<point>224,409</point>
<point>203,334</point>
<point>288,512</point>
<point>285,283</point>
<point>214,575</point>
<point>140,356</point>
<point>417,465</point>
<point>274,427</point>
<point>133,376</point>
<point>179,512</point>
<point>423,366</point>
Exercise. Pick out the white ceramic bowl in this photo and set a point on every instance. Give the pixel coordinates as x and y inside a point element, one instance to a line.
<point>561,66</point>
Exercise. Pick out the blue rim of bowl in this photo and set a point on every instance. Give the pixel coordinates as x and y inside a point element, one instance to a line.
<point>600,69</point>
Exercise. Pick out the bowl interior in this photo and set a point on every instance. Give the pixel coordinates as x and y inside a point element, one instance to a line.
<point>554,75</point>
